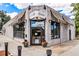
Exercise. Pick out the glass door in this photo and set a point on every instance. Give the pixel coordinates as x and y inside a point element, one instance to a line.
<point>37,32</point>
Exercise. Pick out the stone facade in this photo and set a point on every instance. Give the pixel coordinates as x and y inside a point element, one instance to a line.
<point>42,12</point>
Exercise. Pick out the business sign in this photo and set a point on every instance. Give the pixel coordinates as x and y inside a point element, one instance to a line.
<point>38,13</point>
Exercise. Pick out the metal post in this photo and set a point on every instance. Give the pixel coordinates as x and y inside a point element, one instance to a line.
<point>6,48</point>
<point>49,52</point>
<point>19,50</point>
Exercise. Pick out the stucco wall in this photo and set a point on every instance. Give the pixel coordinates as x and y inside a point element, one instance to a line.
<point>72,28</point>
<point>64,35</point>
<point>9,32</point>
<point>27,26</point>
<point>64,32</point>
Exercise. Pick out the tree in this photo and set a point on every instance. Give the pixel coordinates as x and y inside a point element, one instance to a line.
<point>76,19</point>
<point>3,19</point>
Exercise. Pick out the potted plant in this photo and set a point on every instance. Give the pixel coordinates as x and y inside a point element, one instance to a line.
<point>25,43</point>
<point>44,43</point>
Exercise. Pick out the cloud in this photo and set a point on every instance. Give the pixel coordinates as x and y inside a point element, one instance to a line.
<point>65,7</point>
<point>1,3</point>
<point>7,5</point>
<point>13,14</point>
<point>61,5</point>
<point>53,5</point>
<point>21,5</point>
<point>57,6</point>
<point>72,17</point>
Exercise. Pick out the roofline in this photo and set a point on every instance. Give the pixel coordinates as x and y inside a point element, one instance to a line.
<point>36,6</point>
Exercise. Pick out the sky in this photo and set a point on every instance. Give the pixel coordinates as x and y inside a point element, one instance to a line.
<point>13,9</point>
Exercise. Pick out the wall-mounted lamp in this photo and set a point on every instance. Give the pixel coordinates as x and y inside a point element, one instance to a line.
<point>36,17</point>
<point>49,21</point>
<point>29,7</point>
<point>44,7</point>
<point>17,26</point>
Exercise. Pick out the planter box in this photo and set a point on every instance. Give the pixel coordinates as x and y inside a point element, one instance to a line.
<point>25,43</point>
<point>44,44</point>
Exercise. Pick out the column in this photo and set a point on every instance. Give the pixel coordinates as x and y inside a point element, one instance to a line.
<point>47,27</point>
<point>27,26</point>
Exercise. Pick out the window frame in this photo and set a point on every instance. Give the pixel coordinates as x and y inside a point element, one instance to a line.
<point>55,32</point>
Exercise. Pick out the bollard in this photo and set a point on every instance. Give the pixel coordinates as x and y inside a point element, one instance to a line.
<point>49,52</point>
<point>19,50</point>
<point>6,48</point>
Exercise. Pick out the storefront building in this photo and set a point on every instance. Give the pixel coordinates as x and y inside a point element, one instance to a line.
<point>36,23</point>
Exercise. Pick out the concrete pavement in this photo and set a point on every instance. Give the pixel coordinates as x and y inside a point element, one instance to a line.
<point>29,51</point>
<point>72,52</point>
<point>70,48</point>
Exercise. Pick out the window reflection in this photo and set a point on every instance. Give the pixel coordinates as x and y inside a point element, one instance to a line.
<point>35,23</point>
<point>55,30</point>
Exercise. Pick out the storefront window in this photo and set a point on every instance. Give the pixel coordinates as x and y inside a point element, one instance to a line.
<point>19,30</point>
<point>55,30</point>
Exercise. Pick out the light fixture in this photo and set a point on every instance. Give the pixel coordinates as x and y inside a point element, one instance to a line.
<point>29,7</point>
<point>36,17</point>
<point>44,7</point>
<point>49,21</point>
<point>17,26</point>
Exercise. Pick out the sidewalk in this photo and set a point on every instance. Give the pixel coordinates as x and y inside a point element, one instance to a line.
<point>67,48</point>
<point>60,49</point>
<point>72,52</point>
<point>29,51</point>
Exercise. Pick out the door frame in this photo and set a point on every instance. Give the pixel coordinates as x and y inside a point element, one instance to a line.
<point>40,36</point>
<point>31,31</point>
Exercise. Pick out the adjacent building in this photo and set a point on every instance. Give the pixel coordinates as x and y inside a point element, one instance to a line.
<point>40,22</point>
